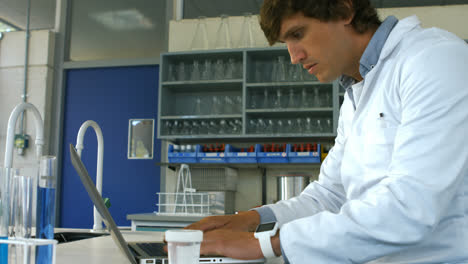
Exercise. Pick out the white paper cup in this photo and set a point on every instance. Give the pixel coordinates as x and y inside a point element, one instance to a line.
<point>184,246</point>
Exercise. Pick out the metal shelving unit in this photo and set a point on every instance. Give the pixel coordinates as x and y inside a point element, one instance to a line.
<point>217,104</point>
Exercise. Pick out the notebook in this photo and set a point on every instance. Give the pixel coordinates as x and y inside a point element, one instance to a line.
<point>136,252</point>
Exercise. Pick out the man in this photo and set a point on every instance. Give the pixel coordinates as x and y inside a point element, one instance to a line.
<point>394,188</point>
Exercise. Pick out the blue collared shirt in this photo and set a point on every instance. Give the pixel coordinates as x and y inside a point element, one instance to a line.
<point>368,60</point>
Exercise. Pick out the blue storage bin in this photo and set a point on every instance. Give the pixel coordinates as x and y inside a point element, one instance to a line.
<point>236,155</point>
<point>182,157</point>
<point>273,157</point>
<point>210,157</point>
<point>305,156</point>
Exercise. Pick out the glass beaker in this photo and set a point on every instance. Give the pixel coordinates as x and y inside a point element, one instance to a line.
<point>223,35</point>
<point>45,219</point>
<point>246,39</point>
<point>200,39</point>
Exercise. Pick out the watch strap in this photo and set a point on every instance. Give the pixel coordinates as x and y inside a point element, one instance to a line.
<point>265,244</point>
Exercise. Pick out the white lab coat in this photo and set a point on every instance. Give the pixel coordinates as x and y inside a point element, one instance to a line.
<point>393,189</point>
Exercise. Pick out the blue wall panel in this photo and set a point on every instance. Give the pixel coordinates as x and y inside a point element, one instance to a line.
<point>109,96</point>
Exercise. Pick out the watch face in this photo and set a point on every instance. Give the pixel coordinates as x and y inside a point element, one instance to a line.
<point>265,227</point>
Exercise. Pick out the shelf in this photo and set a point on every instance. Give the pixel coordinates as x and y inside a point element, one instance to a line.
<point>295,166</point>
<point>190,117</point>
<point>282,84</point>
<point>180,100</point>
<point>248,136</point>
<point>289,110</point>
<point>202,82</point>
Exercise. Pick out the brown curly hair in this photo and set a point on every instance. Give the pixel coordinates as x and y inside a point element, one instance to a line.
<point>273,12</point>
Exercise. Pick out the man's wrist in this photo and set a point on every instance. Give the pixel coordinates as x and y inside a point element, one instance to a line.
<point>276,244</point>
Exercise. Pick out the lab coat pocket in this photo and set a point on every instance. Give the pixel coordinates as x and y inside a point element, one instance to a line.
<point>378,147</point>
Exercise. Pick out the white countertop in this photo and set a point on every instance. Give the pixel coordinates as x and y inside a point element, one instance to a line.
<point>100,250</point>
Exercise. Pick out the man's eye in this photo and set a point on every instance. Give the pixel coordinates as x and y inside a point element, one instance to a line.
<point>297,35</point>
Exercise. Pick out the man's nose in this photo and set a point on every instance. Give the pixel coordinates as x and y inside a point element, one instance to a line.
<point>296,54</point>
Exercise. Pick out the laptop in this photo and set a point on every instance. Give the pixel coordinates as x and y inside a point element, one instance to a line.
<point>135,252</point>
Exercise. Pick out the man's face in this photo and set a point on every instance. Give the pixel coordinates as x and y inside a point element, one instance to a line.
<point>321,47</point>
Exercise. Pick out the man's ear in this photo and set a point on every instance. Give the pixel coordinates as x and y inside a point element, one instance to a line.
<point>351,13</point>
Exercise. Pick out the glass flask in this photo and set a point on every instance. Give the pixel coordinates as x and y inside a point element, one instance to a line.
<point>195,73</point>
<point>316,98</point>
<point>291,99</point>
<point>246,39</point>
<point>304,98</point>
<point>281,69</point>
<point>207,69</point>
<point>219,70</point>
<point>223,35</point>
<point>200,39</point>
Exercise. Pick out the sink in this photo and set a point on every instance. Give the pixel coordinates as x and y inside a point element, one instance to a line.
<point>64,237</point>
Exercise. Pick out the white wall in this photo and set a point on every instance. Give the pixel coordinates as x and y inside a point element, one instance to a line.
<point>39,89</point>
<point>452,18</point>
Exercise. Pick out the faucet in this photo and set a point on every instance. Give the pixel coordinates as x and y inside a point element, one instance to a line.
<point>97,226</point>
<point>11,132</point>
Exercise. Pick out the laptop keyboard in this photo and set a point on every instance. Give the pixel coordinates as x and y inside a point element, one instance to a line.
<point>153,249</point>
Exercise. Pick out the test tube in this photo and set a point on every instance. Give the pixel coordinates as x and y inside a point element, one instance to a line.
<point>5,175</point>
<point>46,207</point>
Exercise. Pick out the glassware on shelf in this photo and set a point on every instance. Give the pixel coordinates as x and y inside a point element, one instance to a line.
<point>203,128</point>
<point>207,70</point>
<point>224,127</point>
<point>230,69</point>
<point>213,128</point>
<point>181,72</point>
<point>328,126</point>
<point>270,126</point>
<point>308,127</point>
<point>216,105</point>
<point>238,104</point>
<point>280,74</point>
<point>171,73</point>
<point>253,126</point>
<point>295,71</point>
<point>219,70</point>
<point>198,106</point>
<point>316,98</point>
<point>228,105</point>
<point>195,128</point>
<point>266,99</point>
<point>299,125</point>
<point>279,100</point>
<point>279,126</point>
<point>246,39</point>
<point>168,127</point>
<point>195,73</point>
<point>305,98</point>
<point>319,127</point>
<point>200,39</point>
<point>291,99</point>
<point>223,34</point>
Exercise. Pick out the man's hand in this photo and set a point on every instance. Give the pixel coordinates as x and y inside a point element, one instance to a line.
<point>229,243</point>
<point>243,221</point>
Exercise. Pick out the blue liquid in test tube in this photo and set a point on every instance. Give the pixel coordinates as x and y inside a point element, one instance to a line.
<point>45,212</point>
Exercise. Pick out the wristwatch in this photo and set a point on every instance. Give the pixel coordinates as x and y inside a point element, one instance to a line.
<point>263,233</point>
